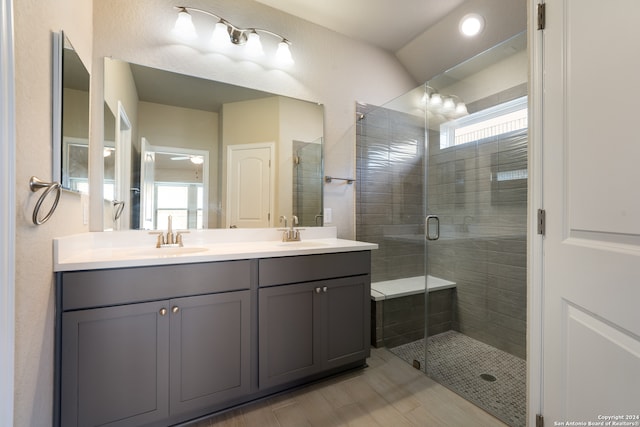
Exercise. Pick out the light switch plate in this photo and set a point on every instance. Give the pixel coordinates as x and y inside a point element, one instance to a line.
<point>327,216</point>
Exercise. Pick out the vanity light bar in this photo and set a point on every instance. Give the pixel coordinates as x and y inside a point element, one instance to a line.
<point>224,32</point>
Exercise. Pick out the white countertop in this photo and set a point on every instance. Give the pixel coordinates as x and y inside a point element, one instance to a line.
<point>100,250</point>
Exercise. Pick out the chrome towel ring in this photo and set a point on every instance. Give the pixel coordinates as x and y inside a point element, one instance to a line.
<point>36,184</point>
<point>118,207</point>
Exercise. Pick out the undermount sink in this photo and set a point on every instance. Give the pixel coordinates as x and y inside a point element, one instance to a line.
<point>167,251</point>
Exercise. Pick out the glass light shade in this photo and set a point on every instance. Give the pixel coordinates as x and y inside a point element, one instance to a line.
<point>220,35</point>
<point>196,160</point>
<point>461,109</point>
<point>471,24</point>
<point>283,54</point>
<point>436,100</point>
<point>184,27</point>
<point>254,46</point>
<point>448,105</point>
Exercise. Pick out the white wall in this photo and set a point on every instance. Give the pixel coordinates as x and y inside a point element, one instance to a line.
<point>330,69</point>
<point>34,21</point>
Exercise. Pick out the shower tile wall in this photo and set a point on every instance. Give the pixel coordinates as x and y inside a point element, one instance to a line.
<point>483,236</point>
<point>390,190</point>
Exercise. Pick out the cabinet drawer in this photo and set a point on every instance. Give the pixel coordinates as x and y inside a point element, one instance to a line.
<point>95,288</point>
<point>306,268</point>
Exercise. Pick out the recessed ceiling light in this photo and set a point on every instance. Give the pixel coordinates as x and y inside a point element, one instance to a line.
<point>471,24</point>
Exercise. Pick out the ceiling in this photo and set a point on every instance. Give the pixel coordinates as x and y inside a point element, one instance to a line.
<point>415,31</point>
<point>389,24</point>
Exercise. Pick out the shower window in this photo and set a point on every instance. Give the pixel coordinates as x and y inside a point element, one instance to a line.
<point>498,120</point>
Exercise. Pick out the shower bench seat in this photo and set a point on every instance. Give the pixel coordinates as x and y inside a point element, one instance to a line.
<point>397,309</point>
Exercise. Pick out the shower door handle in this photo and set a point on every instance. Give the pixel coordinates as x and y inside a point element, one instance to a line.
<point>428,221</point>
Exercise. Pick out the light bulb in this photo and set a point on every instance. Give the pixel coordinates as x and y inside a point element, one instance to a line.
<point>184,27</point>
<point>471,25</point>
<point>448,105</point>
<point>283,54</point>
<point>254,47</point>
<point>220,35</point>
<point>461,109</point>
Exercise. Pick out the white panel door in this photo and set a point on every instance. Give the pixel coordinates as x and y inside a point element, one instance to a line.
<point>249,185</point>
<point>591,193</point>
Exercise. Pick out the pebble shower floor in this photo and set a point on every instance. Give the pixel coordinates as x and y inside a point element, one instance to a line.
<point>460,362</point>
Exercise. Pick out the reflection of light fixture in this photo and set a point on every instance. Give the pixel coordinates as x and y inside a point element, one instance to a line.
<point>471,25</point>
<point>443,106</point>
<point>106,152</point>
<point>196,160</point>
<point>224,31</point>
<point>448,105</point>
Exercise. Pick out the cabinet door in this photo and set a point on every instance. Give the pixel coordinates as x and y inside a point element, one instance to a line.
<point>115,365</point>
<point>210,342</point>
<point>346,320</point>
<point>288,332</point>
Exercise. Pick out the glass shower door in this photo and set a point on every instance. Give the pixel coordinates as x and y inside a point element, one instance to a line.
<point>476,269</point>
<point>454,150</point>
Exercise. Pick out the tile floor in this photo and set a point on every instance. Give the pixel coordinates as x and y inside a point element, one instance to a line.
<point>458,361</point>
<point>388,393</point>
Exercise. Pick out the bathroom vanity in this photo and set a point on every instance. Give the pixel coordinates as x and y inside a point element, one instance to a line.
<point>154,338</point>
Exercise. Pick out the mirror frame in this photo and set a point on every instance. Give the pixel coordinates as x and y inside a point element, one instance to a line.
<point>56,125</point>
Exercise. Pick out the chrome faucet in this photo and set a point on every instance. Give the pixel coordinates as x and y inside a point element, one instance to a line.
<point>170,240</point>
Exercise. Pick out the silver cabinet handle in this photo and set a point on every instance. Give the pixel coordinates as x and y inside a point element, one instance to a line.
<point>325,289</point>
<point>163,311</point>
<point>429,219</point>
<point>175,309</point>
<point>318,290</point>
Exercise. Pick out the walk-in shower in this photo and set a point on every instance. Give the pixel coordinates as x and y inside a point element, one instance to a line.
<point>442,188</point>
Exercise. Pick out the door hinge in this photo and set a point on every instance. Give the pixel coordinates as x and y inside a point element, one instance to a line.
<point>541,15</point>
<point>539,421</point>
<point>542,221</point>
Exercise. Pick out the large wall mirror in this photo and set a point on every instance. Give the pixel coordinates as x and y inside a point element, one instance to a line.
<point>210,154</point>
<point>71,117</point>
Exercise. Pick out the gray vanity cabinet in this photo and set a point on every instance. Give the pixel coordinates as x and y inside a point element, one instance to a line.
<point>308,327</point>
<point>209,350</point>
<point>159,345</point>
<point>115,362</point>
<point>142,363</point>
